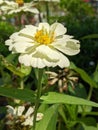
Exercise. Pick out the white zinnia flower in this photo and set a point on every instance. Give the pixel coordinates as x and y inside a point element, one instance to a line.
<point>19,115</point>
<point>43,46</point>
<point>11,7</point>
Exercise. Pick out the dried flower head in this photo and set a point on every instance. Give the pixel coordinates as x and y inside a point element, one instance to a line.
<point>63,78</point>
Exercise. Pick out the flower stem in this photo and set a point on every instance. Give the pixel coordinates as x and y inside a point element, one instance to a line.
<point>47,11</point>
<point>22,84</point>
<point>90,93</point>
<point>39,89</point>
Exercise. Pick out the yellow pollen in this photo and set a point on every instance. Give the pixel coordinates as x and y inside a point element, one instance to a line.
<point>43,37</point>
<point>20,2</point>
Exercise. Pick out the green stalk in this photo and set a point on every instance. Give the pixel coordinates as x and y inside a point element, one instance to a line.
<point>47,11</point>
<point>39,89</point>
<point>88,98</point>
<point>22,84</point>
<point>90,93</point>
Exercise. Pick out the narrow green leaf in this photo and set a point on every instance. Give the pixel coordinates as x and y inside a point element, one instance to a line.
<point>90,36</point>
<point>21,94</point>
<point>84,75</point>
<point>49,119</point>
<point>53,97</point>
<point>95,74</point>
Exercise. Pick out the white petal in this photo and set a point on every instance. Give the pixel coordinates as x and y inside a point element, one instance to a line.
<point>49,63</point>
<point>28,60</point>
<point>39,116</point>
<point>10,2</point>
<point>64,62</point>
<point>20,110</point>
<point>28,121</point>
<point>37,63</point>
<point>25,59</point>
<point>10,109</point>
<point>32,10</point>
<point>17,37</point>
<point>47,53</point>
<point>44,25</point>
<point>67,46</point>
<point>58,29</point>
<point>41,63</point>
<point>9,42</point>
<point>20,47</point>
<point>29,111</point>
<point>29,30</point>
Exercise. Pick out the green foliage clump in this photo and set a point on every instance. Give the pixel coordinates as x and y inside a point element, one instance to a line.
<point>6,29</point>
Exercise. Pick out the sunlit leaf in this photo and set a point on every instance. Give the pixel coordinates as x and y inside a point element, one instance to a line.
<point>90,127</point>
<point>11,67</point>
<point>49,119</point>
<point>53,97</point>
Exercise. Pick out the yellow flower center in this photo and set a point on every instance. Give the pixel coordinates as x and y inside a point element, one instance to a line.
<point>20,2</point>
<point>43,37</point>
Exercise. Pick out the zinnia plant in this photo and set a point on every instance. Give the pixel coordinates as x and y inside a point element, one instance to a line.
<point>43,46</point>
<point>44,90</point>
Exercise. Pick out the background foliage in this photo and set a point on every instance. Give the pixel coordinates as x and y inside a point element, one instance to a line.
<point>73,109</point>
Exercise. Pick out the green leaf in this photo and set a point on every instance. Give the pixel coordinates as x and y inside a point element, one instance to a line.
<point>49,119</point>
<point>90,127</point>
<point>89,121</point>
<point>25,69</point>
<point>80,91</point>
<point>84,75</point>
<point>90,36</point>
<point>95,74</point>
<point>43,107</point>
<point>11,67</point>
<point>21,94</point>
<point>12,58</point>
<point>53,97</point>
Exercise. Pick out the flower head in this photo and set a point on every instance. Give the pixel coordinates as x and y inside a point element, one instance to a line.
<point>64,78</point>
<point>45,45</point>
<point>20,116</point>
<point>11,7</point>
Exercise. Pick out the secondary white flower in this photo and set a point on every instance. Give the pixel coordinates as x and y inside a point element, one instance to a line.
<point>45,45</point>
<point>1,1</point>
<point>48,0</point>
<point>11,7</point>
<point>22,116</point>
